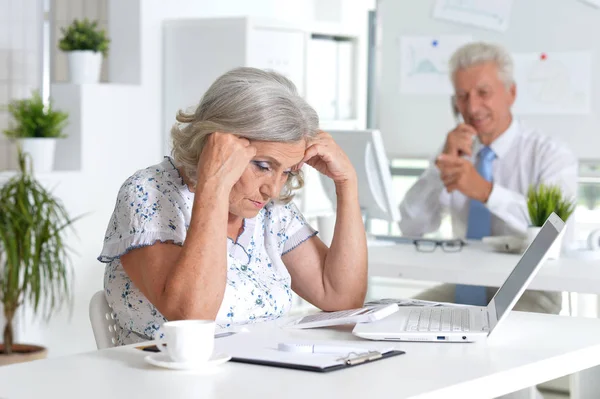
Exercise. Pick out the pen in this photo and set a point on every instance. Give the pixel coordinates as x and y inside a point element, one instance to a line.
<point>224,334</point>
<point>319,348</point>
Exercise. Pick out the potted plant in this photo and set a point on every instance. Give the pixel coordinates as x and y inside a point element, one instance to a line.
<point>85,46</point>
<point>36,126</point>
<point>541,202</point>
<point>34,263</point>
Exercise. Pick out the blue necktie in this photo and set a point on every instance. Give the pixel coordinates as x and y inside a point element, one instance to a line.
<point>479,226</point>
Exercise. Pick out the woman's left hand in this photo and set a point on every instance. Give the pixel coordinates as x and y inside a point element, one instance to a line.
<point>327,157</point>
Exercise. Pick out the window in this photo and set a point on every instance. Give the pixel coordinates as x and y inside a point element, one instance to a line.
<point>405,172</point>
<point>46,52</point>
<point>587,212</point>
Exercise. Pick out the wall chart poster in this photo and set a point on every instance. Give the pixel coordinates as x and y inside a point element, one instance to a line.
<point>553,82</point>
<point>424,63</point>
<point>487,14</point>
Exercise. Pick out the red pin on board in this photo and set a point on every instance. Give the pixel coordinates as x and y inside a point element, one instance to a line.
<point>543,57</point>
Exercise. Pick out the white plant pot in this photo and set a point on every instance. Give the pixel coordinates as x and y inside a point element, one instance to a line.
<point>41,151</point>
<point>555,249</point>
<point>84,66</point>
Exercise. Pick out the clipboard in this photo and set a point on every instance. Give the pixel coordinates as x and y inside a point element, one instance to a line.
<point>351,360</point>
<point>262,349</point>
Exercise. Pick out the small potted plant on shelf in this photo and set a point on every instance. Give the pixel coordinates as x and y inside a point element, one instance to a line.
<point>85,46</point>
<point>36,126</point>
<point>34,264</point>
<point>541,202</point>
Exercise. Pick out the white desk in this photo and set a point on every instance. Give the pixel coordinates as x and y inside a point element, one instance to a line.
<point>477,265</point>
<point>529,349</point>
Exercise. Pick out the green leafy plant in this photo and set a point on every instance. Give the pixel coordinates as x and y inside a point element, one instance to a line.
<point>34,262</point>
<point>84,35</point>
<point>544,200</point>
<point>34,119</point>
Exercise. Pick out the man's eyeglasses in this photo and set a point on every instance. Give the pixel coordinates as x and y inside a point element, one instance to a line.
<point>429,245</point>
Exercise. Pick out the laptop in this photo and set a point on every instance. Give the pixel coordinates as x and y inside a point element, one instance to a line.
<point>457,323</point>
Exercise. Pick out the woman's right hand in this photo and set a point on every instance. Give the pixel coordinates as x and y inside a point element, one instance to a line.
<point>223,160</point>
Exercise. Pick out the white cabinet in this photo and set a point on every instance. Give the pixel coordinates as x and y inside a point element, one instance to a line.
<point>279,50</point>
<point>322,66</point>
<point>197,51</point>
<point>330,83</point>
<point>321,88</point>
<point>345,80</point>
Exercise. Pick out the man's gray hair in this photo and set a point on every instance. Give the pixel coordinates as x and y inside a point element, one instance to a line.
<point>247,102</point>
<point>479,53</point>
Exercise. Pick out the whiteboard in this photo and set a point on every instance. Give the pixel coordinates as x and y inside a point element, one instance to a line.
<point>415,125</point>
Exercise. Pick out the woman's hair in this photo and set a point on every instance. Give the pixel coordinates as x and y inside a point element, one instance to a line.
<point>479,53</point>
<point>247,102</point>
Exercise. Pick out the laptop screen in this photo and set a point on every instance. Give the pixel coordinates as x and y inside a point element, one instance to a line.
<point>526,266</point>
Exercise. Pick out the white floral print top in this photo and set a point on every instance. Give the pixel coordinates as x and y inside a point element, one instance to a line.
<point>155,205</point>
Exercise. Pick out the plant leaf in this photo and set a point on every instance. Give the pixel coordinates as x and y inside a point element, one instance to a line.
<point>545,199</point>
<point>31,118</point>
<point>34,261</point>
<point>84,35</point>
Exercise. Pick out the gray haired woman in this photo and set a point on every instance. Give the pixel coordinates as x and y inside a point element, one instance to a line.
<point>212,233</point>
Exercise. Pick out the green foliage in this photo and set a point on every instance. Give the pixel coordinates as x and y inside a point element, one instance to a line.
<point>544,200</point>
<point>34,119</point>
<point>34,262</point>
<point>84,35</point>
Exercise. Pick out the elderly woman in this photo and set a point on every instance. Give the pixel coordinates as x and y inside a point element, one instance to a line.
<point>211,233</point>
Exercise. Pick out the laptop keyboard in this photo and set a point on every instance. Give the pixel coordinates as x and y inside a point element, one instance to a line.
<point>439,319</point>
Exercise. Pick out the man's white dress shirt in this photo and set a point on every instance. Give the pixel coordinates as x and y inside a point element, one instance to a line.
<point>524,157</point>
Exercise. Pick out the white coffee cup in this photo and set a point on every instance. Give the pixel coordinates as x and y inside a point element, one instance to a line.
<point>188,340</point>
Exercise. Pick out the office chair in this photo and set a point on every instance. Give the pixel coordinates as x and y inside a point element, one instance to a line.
<point>103,322</point>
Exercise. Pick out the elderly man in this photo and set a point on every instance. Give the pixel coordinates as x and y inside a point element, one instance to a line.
<point>485,169</point>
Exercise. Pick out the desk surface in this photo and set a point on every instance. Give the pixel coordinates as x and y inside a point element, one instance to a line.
<point>528,349</point>
<point>478,265</point>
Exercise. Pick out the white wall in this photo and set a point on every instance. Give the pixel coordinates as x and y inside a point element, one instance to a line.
<point>117,129</point>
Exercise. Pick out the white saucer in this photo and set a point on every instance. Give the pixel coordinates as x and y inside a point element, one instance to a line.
<point>163,360</point>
